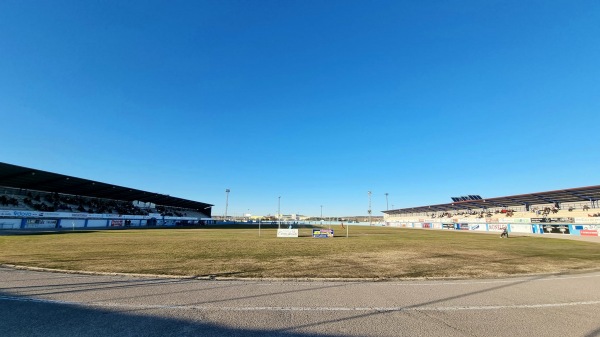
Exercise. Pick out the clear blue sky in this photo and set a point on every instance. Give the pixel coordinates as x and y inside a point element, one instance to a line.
<point>314,101</point>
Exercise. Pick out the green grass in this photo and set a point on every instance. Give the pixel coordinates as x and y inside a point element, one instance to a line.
<point>239,252</point>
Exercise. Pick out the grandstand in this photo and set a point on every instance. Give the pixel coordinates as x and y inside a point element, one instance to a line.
<point>574,202</point>
<point>570,211</point>
<point>31,198</point>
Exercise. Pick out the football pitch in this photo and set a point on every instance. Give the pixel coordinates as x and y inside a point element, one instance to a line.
<point>368,253</point>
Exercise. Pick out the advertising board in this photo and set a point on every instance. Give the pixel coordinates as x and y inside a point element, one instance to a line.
<point>40,223</point>
<point>6,213</point>
<point>96,223</point>
<point>587,220</point>
<point>589,232</point>
<point>556,229</point>
<point>322,233</point>
<point>287,233</point>
<point>496,227</point>
<point>520,228</point>
<point>10,223</point>
<point>477,227</point>
<point>546,220</point>
<point>514,220</point>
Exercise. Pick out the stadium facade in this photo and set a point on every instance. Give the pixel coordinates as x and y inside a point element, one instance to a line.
<point>36,199</point>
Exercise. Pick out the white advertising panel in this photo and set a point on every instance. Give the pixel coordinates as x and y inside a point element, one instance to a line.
<point>587,220</point>
<point>477,227</point>
<point>6,213</point>
<point>10,223</point>
<point>521,228</point>
<point>72,223</point>
<point>514,220</point>
<point>96,223</point>
<point>287,233</point>
<point>492,227</point>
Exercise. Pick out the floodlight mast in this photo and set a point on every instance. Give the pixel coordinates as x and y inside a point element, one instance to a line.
<point>370,223</point>
<point>226,203</point>
<point>386,202</point>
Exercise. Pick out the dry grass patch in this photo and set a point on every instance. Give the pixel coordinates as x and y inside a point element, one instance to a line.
<point>368,253</point>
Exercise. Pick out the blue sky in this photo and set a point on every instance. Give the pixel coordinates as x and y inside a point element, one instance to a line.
<point>314,101</point>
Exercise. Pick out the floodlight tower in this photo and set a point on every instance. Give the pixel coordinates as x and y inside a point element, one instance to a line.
<point>370,223</point>
<point>321,213</point>
<point>226,202</point>
<point>386,202</point>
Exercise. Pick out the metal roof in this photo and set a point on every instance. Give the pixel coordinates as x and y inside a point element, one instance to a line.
<point>590,193</point>
<point>31,179</point>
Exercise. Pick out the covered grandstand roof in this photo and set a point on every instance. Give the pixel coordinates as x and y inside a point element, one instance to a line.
<point>31,179</point>
<point>561,196</point>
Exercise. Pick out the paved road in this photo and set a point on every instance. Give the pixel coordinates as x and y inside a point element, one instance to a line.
<point>53,304</point>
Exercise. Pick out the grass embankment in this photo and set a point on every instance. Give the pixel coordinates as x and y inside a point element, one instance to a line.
<point>368,253</point>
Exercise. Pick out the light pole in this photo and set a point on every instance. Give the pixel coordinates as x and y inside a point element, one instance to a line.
<point>386,202</point>
<point>321,214</point>
<point>226,202</point>
<point>279,212</point>
<point>370,223</point>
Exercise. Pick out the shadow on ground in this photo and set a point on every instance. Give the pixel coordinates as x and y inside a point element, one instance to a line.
<point>48,319</point>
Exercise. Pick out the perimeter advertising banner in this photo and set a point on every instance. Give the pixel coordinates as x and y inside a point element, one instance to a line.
<point>287,233</point>
<point>322,233</point>
<point>588,232</point>
<point>116,223</point>
<point>546,220</point>
<point>587,220</point>
<point>496,227</point>
<point>477,227</point>
<point>521,228</point>
<point>40,223</point>
<point>514,220</point>
<point>6,213</point>
<point>10,223</point>
<point>556,229</point>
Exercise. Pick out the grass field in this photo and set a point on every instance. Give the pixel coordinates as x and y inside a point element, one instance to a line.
<point>369,252</point>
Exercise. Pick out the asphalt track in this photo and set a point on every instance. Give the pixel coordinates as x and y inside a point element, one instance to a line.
<point>53,304</point>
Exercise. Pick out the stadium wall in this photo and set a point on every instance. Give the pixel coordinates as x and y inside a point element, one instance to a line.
<point>564,226</point>
<point>18,219</point>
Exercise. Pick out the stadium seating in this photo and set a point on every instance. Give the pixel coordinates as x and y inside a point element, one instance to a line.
<point>18,199</point>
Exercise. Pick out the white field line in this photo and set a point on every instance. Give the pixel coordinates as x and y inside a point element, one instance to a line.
<point>374,309</point>
<point>431,283</point>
